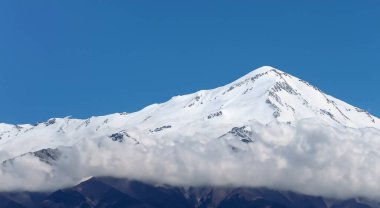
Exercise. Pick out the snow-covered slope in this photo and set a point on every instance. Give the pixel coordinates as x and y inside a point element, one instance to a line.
<point>264,95</point>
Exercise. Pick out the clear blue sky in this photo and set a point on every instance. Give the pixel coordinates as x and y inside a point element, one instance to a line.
<point>84,58</point>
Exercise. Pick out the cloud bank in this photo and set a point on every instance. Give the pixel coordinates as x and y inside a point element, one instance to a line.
<point>310,158</point>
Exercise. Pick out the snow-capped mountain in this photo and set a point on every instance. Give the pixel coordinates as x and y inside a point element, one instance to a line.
<point>236,115</point>
<point>265,95</point>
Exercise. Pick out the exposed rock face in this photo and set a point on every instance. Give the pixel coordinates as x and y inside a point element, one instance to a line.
<point>48,155</point>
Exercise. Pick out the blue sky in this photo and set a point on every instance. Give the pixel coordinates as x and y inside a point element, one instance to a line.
<point>84,58</point>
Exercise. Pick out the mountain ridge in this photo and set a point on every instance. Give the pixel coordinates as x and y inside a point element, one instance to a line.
<point>116,192</point>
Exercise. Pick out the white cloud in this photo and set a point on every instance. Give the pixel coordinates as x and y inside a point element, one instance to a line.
<point>311,158</point>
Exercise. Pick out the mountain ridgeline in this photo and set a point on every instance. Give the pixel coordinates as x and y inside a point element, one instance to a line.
<point>123,193</point>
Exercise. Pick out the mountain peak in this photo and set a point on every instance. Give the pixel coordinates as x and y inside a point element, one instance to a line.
<point>292,99</point>
<point>260,70</point>
<point>265,69</point>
